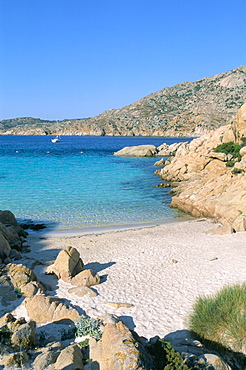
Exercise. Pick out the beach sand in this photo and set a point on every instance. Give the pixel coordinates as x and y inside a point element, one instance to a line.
<point>160,270</point>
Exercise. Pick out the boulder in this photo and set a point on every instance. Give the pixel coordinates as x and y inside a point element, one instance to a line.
<point>160,163</point>
<point>67,264</point>
<point>138,151</point>
<point>118,349</point>
<point>17,359</point>
<point>214,361</point>
<point>43,309</point>
<point>4,247</point>
<point>86,278</point>
<point>8,218</point>
<point>24,279</point>
<point>47,357</point>
<point>80,291</point>
<point>24,336</point>
<point>70,358</point>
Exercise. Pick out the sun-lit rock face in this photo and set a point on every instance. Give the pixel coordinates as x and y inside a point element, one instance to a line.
<point>208,187</point>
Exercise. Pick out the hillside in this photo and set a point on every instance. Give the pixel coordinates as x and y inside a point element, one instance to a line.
<point>186,109</point>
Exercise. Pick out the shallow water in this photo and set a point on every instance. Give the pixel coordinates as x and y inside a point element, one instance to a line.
<point>79,183</point>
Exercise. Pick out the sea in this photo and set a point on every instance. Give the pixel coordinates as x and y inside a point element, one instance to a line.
<point>78,183</point>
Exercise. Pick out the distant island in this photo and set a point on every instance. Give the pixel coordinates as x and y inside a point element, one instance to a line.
<point>188,109</point>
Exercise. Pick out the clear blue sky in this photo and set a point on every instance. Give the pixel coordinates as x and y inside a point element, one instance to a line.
<point>77,58</point>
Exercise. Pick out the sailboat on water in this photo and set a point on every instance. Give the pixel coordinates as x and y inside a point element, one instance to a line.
<point>57,139</point>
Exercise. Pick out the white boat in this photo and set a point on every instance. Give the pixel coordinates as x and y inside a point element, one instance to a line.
<point>56,139</point>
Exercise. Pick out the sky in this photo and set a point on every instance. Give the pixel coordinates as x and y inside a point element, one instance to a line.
<point>64,59</point>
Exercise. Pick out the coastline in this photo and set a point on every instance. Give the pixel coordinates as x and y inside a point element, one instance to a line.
<point>160,270</point>
<point>51,233</point>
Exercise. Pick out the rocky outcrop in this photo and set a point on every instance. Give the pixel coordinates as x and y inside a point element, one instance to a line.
<point>118,349</point>
<point>208,187</point>
<point>189,109</point>
<point>67,264</point>
<point>138,151</point>
<point>43,309</point>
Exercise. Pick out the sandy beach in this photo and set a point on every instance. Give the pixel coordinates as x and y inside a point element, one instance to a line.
<point>159,270</point>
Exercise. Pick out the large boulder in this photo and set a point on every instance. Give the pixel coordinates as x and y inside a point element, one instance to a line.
<point>24,337</point>
<point>8,218</point>
<point>70,358</point>
<point>118,349</point>
<point>86,278</point>
<point>23,278</point>
<point>43,309</point>
<point>67,264</point>
<point>138,151</point>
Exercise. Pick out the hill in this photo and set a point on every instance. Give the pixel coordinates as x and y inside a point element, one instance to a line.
<point>186,109</point>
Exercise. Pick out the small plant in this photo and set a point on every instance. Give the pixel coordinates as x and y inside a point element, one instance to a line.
<point>230,163</point>
<point>174,359</point>
<point>88,326</point>
<point>84,343</point>
<point>18,292</point>
<point>235,171</point>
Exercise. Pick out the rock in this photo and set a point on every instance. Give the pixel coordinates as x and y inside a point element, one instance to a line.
<point>119,305</point>
<point>86,278</point>
<point>24,337</point>
<point>24,279</point>
<point>215,361</point>
<point>118,349</point>
<point>243,151</point>
<point>8,317</point>
<point>138,151</point>
<point>43,309</point>
<point>46,358</point>
<point>70,358</point>
<point>15,359</point>
<point>221,230</point>
<point>80,291</point>
<point>4,247</point>
<point>9,234</point>
<point>207,187</point>
<point>160,163</point>
<point>67,264</point>
<point>8,218</point>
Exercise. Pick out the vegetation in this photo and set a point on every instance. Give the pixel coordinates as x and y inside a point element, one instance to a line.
<point>220,320</point>
<point>236,171</point>
<point>166,358</point>
<point>88,326</point>
<point>229,148</point>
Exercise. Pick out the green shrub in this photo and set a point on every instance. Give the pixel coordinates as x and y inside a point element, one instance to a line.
<point>235,171</point>
<point>230,163</point>
<point>220,320</point>
<point>174,359</point>
<point>229,148</point>
<point>88,326</point>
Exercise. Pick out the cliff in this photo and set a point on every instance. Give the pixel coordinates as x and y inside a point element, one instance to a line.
<point>210,174</point>
<point>187,109</point>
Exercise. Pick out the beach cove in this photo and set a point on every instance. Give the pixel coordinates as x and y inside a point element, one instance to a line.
<point>159,270</point>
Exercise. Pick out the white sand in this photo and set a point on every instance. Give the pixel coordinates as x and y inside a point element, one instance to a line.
<point>137,267</point>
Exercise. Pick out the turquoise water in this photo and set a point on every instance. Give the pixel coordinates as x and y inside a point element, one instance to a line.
<point>79,183</point>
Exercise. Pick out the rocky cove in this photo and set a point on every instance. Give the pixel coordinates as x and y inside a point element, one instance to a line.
<point>203,183</point>
<point>203,186</point>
